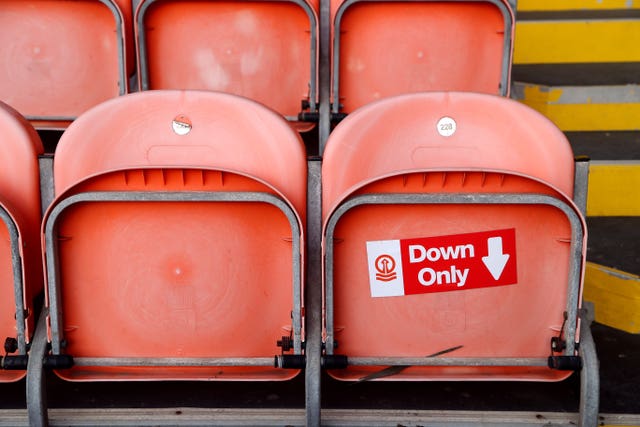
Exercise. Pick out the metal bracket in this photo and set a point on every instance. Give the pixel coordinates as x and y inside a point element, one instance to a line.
<point>14,363</point>
<point>565,363</point>
<point>57,361</point>
<point>335,361</point>
<point>291,361</point>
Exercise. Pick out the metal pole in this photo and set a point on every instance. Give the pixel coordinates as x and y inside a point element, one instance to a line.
<point>36,383</point>
<point>324,79</point>
<point>590,373</point>
<point>313,297</point>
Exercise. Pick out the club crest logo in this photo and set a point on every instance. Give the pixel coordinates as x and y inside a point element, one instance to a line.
<point>385,268</point>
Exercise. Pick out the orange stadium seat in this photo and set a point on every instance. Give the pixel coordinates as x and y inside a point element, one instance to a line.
<point>174,244</point>
<point>61,57</point>
<point>20,255</point>
<point>262,50</point>
<point>383,48</point>
<point>452,247</point>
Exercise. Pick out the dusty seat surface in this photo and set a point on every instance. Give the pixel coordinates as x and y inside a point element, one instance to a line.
<point>263,50</point>
<point>61,57</point>
<point>179,278</point>
<point>386,48</point>
<point>415,279</point>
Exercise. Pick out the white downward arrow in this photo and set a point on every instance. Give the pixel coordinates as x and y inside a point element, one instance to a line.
<point>495,259</point>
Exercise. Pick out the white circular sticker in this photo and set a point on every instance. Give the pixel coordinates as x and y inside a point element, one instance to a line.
<point>446,126</point>
<point>181,125</point>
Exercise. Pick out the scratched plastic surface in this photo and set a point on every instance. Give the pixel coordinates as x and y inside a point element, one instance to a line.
<point>393,47</point>
<point>260,50</point>
<point>176,279</point>
<point>61,57</point>
<point>498,147</point>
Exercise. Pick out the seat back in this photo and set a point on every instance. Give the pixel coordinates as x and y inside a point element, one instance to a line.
<point>20,256</point>
<point>62,57</point>
<point>383,48</point>
<point>178,216</point>
<point>264,50</point>
<point>453,249</point>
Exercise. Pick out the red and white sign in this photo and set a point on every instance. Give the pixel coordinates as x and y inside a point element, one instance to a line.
<point>442,263</point>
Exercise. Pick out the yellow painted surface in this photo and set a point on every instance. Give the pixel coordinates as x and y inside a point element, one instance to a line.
<point>589,117</point>
<point>555,5</point>
<point>616,297</point>
<point>588,114</point>
<point>614,189</point>
<point>593,117</point>
<point>534,94</point>
<point>577,41</point>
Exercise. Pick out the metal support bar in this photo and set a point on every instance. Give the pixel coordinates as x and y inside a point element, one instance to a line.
<point>590,374</point>
<point>45,162</point>
<point>16,267</point>
<point>581,183</point>
<point>313,296</point>
<point>173,361</point>
<point>324,83</point>
<point>36,384</point>
<point>448,361</point>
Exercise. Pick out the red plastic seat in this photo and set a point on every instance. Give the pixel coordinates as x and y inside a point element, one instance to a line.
<point>384,48</point>
<point>452,247</point>
<point>174,244</point>
<point>264,50</point>
<point>60,58</point>
<point>20,255</point>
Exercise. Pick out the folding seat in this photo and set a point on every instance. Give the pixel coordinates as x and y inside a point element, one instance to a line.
<point>174,243</point>
<point>452,247</point>
<point>383,48</point>
<point>264,50</point>
<point>61,57</point>
<point>20,255</point>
